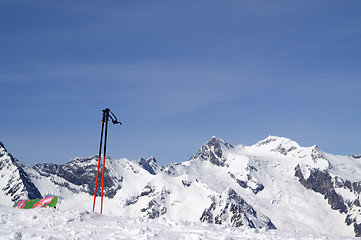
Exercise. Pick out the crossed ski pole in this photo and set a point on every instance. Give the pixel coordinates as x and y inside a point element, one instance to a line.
<point>106,116</point>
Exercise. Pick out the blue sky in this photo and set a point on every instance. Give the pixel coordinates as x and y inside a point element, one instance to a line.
<point>176,73</point>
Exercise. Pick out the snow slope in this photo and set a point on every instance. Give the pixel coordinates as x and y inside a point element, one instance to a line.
<point>16,224</point>
<point>14,181</point>
<point>274,183</point>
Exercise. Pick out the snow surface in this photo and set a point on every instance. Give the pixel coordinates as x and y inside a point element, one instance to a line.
<point>67,223</point>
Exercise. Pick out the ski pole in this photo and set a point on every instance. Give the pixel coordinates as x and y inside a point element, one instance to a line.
<point>105,150</point>
<point>105,120</point>
<point>100,152</point>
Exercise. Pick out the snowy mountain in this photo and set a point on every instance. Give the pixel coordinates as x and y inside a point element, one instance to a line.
<point>274,183</point>
<point>14,181</point>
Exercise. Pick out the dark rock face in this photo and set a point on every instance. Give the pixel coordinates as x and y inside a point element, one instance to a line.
<point>212,151</point>
<point>318,181</point>
<point>149,165</point>
<point>266,141</point>
<point>174,169</point>
<point>148,190</point>
<point>356,186</point>
<point>245,184</point>
<point>317,156</point>
<point>156,206</point>
<point>154,209</point>
<point>283,150</point>
<point>230,208</point>
<point>322,182</point>
<point>33,192</point>
<point>186,183</point>
<point>82,173</point>
<point>19,185</point>
<point>357,229</point>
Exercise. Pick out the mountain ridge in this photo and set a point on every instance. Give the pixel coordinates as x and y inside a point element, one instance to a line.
<point>260,184</point>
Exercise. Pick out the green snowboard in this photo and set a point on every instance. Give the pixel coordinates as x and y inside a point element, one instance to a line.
<point>35,203</point>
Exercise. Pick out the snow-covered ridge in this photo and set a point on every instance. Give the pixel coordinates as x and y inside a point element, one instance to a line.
<point>275,183</point>
<point>14,181</point>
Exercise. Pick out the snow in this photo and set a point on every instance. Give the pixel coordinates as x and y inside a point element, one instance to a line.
<point>7,172</point>
<point>283,197</point>
<point>185,190</point>
<point>65,223</point>
<point>346,167</point>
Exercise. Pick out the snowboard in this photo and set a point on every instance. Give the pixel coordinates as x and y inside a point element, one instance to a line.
<point>35,203</point>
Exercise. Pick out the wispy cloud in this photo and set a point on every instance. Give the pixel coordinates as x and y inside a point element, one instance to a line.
<point>157,88</point>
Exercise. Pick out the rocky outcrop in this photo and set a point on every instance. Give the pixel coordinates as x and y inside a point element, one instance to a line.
<point>150,165</point>
<point>230,208</point>
<point>212,151</point>
<point>327,185</point>
<point>79,175</point>
<point>18,183</point>
<point>250,183</point>
<point>156,207</point>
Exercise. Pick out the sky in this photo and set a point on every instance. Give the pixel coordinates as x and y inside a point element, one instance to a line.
<point>176,73</point>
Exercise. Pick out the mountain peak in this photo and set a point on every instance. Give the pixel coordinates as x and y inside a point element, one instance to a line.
<point>149,165</point>
<point>17,183</point>
<point>151,160</point>
<point>229,207</point>
<point>278,144</point>
<point>273,139</point>
<point>215,141</point>
<point>5,155</point>
<point>213,151</point>
<point>2,145</point>
<point>3,149</point>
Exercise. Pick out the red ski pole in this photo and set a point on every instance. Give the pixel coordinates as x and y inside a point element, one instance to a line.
<point>100,153</point>
<point>105,150</point>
